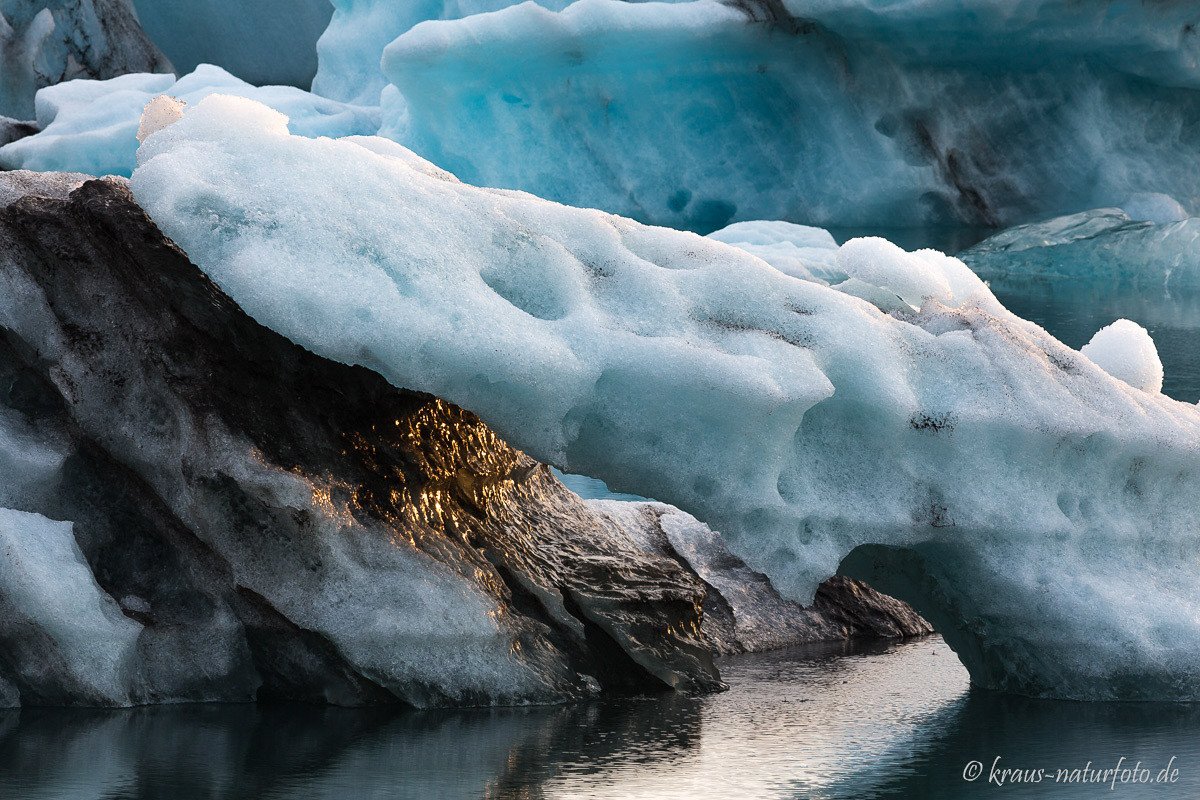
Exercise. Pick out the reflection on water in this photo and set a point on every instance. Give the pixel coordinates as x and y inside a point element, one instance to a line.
<point>855,722</point>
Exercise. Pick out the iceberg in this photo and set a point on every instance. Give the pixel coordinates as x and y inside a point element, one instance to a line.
<point>91,126</point>
<point>43,42</point>
<point>790,248</point>
<point>350,49</point>
<point>698,114</point>
<point>1105,244</point>
<point>814,431</point>
<point>264,41</point>
<point>194,508</point>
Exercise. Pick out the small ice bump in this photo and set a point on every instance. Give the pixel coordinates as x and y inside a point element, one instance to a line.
<point>1126,351</point>
<point>158,114</point>
<point>1155,207</point>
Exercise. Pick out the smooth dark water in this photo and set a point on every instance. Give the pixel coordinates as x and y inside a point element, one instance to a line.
<point>856,722</point>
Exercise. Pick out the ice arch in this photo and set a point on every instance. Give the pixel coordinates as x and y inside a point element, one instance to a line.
<point>1050,505</point>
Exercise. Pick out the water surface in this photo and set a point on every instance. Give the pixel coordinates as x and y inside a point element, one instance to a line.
<point>835,721</point>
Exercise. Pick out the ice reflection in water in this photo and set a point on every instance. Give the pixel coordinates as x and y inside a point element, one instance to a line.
<point>855,722</point>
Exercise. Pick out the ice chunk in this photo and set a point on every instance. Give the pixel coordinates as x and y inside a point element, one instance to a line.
<point>1155,207</point>
<point>913,277</point>
<point>43,42</point>
<point>1125,350</point>
<point>46,585</point>
<point>694,115</point>
<point>799,250</point>
<point>869,268</point>
<point>807,427</point>
<point>349,51</point>
<point>1103,244</point>
<point>93,126</point>
<point>743,611</point>
<point>18,183</point>
<point>13,129</point>
<point>158,114</point>
<point>263,41</point>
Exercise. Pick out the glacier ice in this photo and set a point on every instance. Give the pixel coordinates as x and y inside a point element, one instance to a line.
<point>870,268</point>
<point>1155,207</point>
<point>278,525</point>
<point>1035,509</point>
<point>693,115</point>
<point>91,126</point>
<point>263,42</point>
<point>1106,244</point>
<point>743,612</point>
<point>48,590</point>
<point>43,42</point>
<point>349,51</point>
<point>1125,350</point>
<point>788,247</point>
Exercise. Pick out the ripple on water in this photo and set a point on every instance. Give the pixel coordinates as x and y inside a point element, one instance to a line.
<point>857,721</point>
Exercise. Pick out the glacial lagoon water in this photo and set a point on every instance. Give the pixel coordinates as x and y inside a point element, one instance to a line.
<point>857,721</point>
<point>861,721</point>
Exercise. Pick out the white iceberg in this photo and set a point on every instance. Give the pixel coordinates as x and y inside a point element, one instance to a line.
<point>870,268</point>
<point>697,114</point>
<point>1036,510</point>
<point>91,126</point>
<point>790,248</point>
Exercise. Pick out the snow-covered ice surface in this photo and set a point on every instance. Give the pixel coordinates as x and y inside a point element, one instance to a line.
<point>261,41</point>
<point>787,247</point>
<point>803,424</point>
<point>43,42</point>
<point>984,112</point>
<point>1109,244</point>
<point>91,126</point>
<point>870,268</point>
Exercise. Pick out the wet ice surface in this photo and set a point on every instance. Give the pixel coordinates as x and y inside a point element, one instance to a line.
<point>866,721</point>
